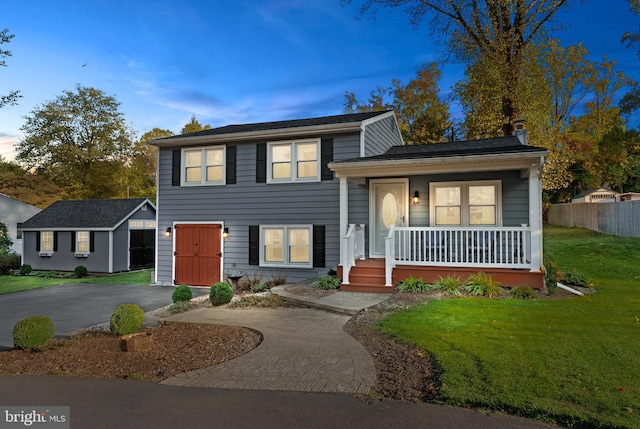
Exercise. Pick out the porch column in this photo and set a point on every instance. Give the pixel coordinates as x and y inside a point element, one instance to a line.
<point>535,216</point>
<point>344,206</point>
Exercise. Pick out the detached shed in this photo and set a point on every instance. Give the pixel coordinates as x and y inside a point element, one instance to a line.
<point>105,236</point>
<point>596,195</point>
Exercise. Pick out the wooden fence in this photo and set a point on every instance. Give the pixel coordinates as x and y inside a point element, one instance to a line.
<point>619,218</point>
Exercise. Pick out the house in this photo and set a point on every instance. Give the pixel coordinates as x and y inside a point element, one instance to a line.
<point>104,236</point>
<point>13,212</point>
<point>596,195</point>
<point>293,199</point>
<point>629,196</point>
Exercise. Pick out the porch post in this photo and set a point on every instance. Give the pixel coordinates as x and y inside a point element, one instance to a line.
<point>344,221</point>
<point>535,216</point>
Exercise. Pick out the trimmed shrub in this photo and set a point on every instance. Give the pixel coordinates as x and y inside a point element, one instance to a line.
<point>483,284</point>
<point>412,285</point>
<point>575,279</point>
<point>33,332</point>
<point>127,319</point>
<point>448,285</point>
<point>25,269</point>
<point>220,293</point>
<point>182,293</point>
<point>80,271</point>
<point>260,287</point>
<point>327,283</point>
<point>9,261</point>
<point>550,273</point>
<point>522,292</point>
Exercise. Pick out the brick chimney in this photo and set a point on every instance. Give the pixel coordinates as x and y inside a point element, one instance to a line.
<point>520,132</point>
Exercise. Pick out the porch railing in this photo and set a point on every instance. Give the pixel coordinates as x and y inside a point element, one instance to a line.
<point>352,249</point>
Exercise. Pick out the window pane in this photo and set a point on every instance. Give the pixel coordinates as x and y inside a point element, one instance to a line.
<point>274,253</point>
<point>193,159</point>
<point>308,169</point>
<point>299,245</point>
<point>482,215</point>
<point>448,196</point>
<point>273,236</point>
<point>214,174</point>
<point>83,241</point>
<point>194,174</point>
<point>299,237</point>
<point>299,254</point>
<point>282,171</point>
<point>281,153</point>
<point>482,195</point>
<point>307,152</point>
<point>47,241</point>
<point>447,215</point>
<point>215,157</point>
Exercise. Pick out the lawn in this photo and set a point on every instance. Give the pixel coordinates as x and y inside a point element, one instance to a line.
<point>10,284</point>
<point>573,361</point>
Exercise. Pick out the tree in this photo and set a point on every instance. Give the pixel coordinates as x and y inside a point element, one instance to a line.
<point>27,187</point>
<point>12,97</point>
<point>80,142</point>
<point>193,126</point>
<point>143,165</point>
<point>5,240</point>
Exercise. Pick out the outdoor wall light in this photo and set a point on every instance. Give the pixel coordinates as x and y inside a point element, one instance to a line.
<point>416,197</point>
<point>167,232</point>
<point>225,233</point>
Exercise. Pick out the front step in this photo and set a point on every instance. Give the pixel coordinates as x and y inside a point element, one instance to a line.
<point>366,276</point>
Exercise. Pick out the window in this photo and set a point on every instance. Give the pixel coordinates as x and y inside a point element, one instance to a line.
<point>46,245</point>
<point>203,166</point>
<point>294,161</point>
<point>465,203</point>
<point>286,246</point>
<point>82,242</point>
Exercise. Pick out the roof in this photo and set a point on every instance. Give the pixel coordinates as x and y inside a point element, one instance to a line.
<point>84,213</point>
<point>592,190</point>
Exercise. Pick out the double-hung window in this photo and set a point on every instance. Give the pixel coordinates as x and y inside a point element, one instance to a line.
<point>294,161</point>
<point>203,166</point>
<point>46,242</point>
<point>466,203</point>
<point>286,246</point>
<point>82,242</point>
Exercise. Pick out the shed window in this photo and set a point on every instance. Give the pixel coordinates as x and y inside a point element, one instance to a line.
<point>46,241</point>
<point>82,242</point>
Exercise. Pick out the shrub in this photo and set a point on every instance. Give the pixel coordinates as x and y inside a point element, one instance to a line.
<point>412,284</point>
<point>80,271</point>
<point>33,332</point>
<point>220,293</point>
<point>260,287</point>
<point>182,293</point>
<point>25,269</point>
<point>127,318</point>
<point>550,273</point>
<point>277,281</point>
<point>483,284</point>
<point>327,283</point>
<point>9,261</point>
<point>448,285</point>
<point>576,279</point>
<point>180,307</point>
<point>522,292</point>
<point>332,272</point>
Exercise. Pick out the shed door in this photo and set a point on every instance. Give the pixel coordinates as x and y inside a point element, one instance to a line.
<point>198,254</point>
<point>142,248</point>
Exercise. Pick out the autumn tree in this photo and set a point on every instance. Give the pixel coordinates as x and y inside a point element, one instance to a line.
<point>12,96</point>
<point>143,165</point>
<point>80,142</point>
<point>193,126</point>
<point>26,186</point>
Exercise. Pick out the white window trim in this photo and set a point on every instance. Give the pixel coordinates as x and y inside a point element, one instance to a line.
<point>44,252</point>
<point>79,252</point>
<point>203,167</point>
<point>464,201</point>
<point>286,264</point>
<point>294,160</point>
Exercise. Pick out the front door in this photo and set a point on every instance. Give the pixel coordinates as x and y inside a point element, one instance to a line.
<point>198,254</point>
<point>389,206</point>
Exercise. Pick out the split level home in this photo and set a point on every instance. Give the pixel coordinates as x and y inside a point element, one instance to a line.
<point>104,236</point>
<point>294,199</point>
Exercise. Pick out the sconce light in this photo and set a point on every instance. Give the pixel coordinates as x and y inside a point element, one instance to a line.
<point>416,197</point>
<point>167,232</point>
<point>225,233</point>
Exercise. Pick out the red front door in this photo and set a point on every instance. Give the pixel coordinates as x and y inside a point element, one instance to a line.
<point>198,254</point>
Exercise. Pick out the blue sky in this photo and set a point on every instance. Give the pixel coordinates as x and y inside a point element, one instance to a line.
<point>236,62</point>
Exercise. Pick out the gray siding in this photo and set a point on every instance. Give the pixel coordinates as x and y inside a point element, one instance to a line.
<point>380,136</point>
<point>13,212</point>
<point>64,259</point>
<point>121,248</point>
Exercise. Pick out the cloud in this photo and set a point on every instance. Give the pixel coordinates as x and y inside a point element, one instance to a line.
<point>7,143</point>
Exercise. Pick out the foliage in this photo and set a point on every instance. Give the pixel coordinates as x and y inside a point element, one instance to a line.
<point>193,126</point>
<point>12,97</point>
<point>522,292</point>
<point>260,287</point>
<point>269,301</point>
<point>277,281</point>
<point>33,332</point>
<point>550,273</point>
<point>127,318</point>
<point>180,307</point>
<point>9,261</point>
<point>220,293</point>
<point>141,174</point>
<point>448,285</point>
<point>25,269</point>
<point>575,278</point>
<point>80,271</point>
<point>5,240</point>
<point>413,285</point>
<point>332,272</point>
<point>28,187</point>
<point>327,283</point>
<point>181,293</point>
<point>483,284</point>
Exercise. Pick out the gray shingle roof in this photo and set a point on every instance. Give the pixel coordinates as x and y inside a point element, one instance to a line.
<point>83,214</point>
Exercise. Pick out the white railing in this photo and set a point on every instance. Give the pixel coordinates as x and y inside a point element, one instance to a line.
<point>352,248</point>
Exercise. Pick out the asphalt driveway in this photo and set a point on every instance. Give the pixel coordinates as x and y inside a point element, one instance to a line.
<point>77,306</point>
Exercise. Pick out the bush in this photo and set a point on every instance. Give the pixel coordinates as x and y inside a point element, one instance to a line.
<point>576,279</point>
<point>260,287</point>
<point>9,261</point>
<point>327,283</point>
<point>483,284</point>
<point>127,318</point>
<point>80,271</point>
<point>412,284</point>
<point>522,292</point>
<point>332,272</point>
<point>25,269</point>
<point>448,285</point>
<point>33,332</point>
<point>180,307</point>
<point>550,273</point>
<point>182,293</point>
<point>220,293</point>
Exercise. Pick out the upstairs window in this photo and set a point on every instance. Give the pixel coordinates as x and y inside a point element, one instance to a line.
<point>203,166</point>
<point>295,161</point>
<point>465,203</point>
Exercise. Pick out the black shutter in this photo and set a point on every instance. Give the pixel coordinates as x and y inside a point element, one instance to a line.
<point>92,236</point>
<point>254,245</point>
<point>326,156</point>
<point>73,241</point>
<point>38,241</point>
<point>318,246</point>
<point>261,163</point>
<point>175,167</point>
<point>231,165</point>
<point>55,241</point>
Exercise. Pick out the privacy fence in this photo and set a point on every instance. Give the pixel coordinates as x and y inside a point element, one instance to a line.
<point>619,218</point>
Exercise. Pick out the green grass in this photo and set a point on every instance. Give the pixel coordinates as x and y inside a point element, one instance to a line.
<point>9,284</point>
<point>572,361</point>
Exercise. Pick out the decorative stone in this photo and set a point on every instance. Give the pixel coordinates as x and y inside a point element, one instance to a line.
<point>136,342</point>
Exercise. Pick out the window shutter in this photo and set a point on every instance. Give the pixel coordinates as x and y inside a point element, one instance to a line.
<point>38,241</point>
<point>326,156</point>
<point>261,163</point>
<point>175,167</point>
<point>318,246</point>
<point>231,165</point>
<point>55,241</point>
<point>254,245</point>
<point>92,236</point>
<point>73,241</point>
